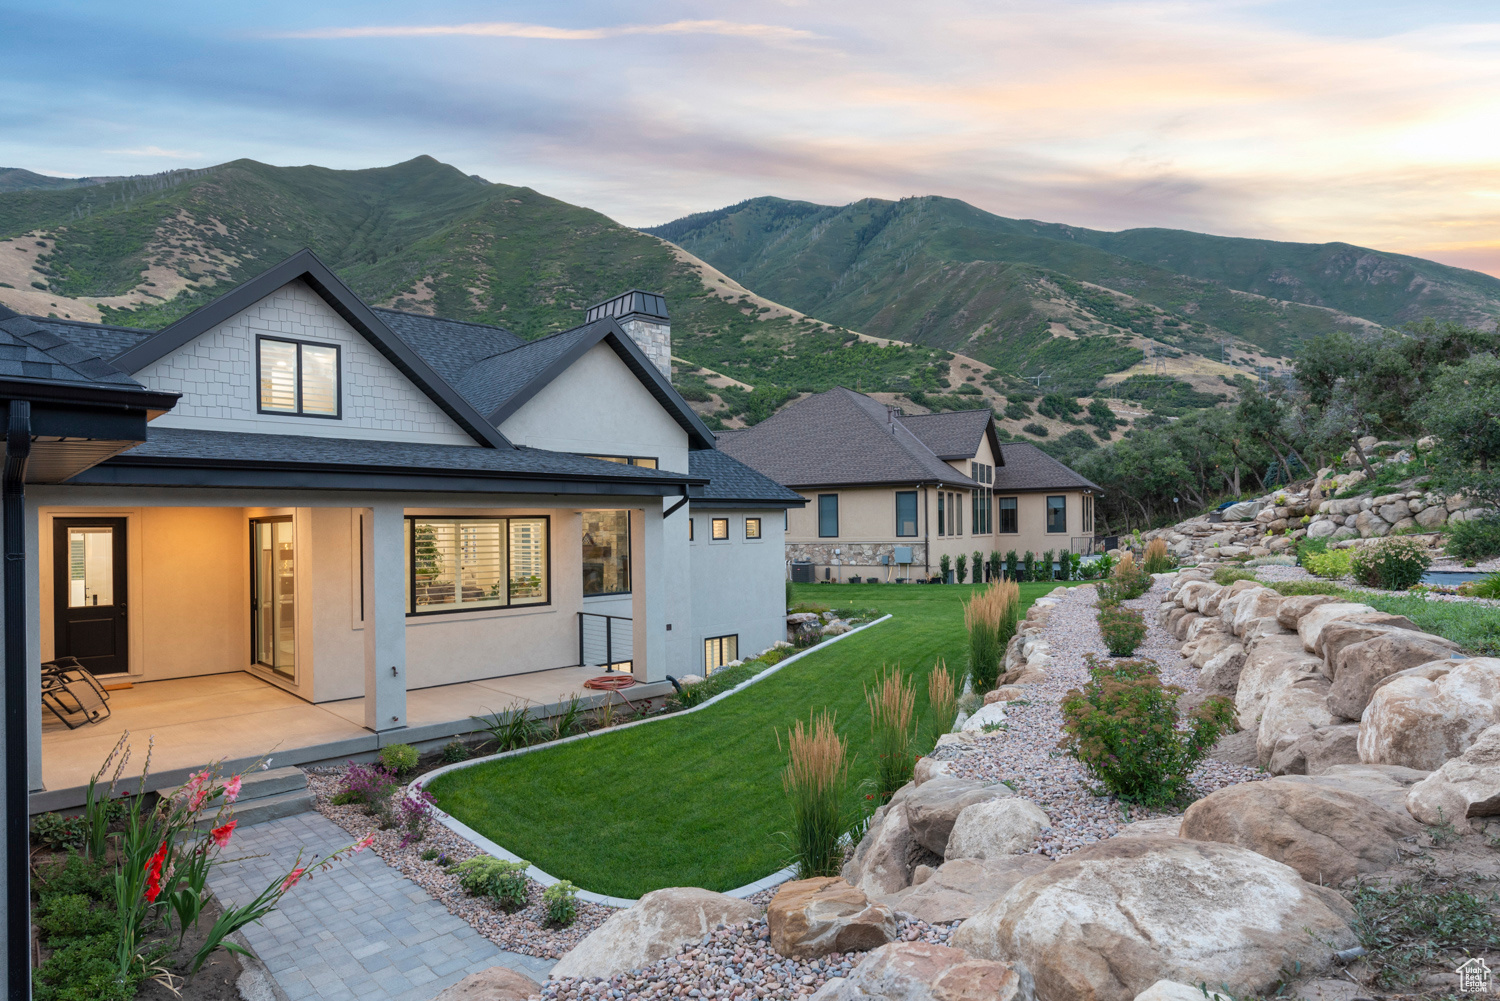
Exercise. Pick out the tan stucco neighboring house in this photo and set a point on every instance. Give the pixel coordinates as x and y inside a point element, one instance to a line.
<point>889,494</point>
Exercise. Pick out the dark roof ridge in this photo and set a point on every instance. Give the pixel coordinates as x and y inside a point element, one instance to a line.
<point>446,319</point>
<point>85,367</point>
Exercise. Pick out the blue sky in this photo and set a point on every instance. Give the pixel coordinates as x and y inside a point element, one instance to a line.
<point>1372,122</point>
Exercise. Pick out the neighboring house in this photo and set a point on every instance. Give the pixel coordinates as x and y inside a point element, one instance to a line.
<point>372,510</point>
<point>889,494</point>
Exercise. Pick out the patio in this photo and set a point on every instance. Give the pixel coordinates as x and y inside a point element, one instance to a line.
<point>237,718</point>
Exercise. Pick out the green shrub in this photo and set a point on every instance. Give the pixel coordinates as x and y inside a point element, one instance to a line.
<point>398,758</point>
<point>1474,540</point>
<point>1330,563</point>
<point>85,969</point>
<point>944,565</point>
<point>561,903</point>
<point>1129,579</point>
<point>55,831</point>
<point>961,568</point>
<point>1123,726</point>
<point>455,751</point>
<point>1039,430</point>
<point>429,854</point>
<point>1390,564</point>
<point>1228,575</point>
<point>1157,558</point>
<point>1291,588</point>
<point>503,882</point>
<point>71,915</point>
<point>1123,629</point>
<point>1485,587</point>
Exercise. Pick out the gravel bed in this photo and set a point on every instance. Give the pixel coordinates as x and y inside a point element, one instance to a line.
<point>525,931</point>
<point>1025,754</point>
<point>732,962</point>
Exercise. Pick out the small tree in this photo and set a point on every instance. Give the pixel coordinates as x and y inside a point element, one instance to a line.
<point>962,567</point>
<point>978,567</point>
<point>944,565</point>
<point>1463,411</point>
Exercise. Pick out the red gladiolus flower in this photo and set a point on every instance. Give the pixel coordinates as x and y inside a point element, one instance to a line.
<point>292,879</point>
<point>153,873</point>
<point>221,834</point>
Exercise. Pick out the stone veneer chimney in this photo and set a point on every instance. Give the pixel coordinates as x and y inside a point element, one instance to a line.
<point>642,315</point>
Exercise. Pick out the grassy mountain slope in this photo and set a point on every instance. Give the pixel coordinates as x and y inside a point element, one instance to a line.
<point>20,179</point>
<point>422,236</point>
<point>936,270</point>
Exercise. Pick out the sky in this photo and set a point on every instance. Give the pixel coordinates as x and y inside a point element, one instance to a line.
<point>1367,121</point>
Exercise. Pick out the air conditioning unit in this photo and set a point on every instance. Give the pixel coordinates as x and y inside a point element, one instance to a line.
<point>802,573</point>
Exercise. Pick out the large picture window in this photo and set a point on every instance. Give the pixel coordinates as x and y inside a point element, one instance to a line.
<point>606,552</point>
<point>298,378</point>
<point>1057,514</point>
<point>906,513</point>
<point>1008,522</point>
<point>467,564</point>
<point>828,516</point>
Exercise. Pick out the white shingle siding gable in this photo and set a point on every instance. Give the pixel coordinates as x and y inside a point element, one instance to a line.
<point>215,373</point>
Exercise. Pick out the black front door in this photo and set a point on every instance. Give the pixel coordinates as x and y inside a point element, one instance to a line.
<point>88,556</point>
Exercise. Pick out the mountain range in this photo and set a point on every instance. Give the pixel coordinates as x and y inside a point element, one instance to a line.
<point>928,301</point>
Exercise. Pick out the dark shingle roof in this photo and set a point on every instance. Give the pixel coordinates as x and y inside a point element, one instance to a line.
<point>449,346</point>
<point>288,450</point>
<point>491,383</point>
<point>1029,468</point>
<point>28,351</point>
<point>102,339</point>
<point>954,435</point>
<point>732,480</point>
<point>838,437</point>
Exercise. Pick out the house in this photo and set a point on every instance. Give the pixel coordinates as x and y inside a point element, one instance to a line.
<point>889,494</point>
<point>347,526</point>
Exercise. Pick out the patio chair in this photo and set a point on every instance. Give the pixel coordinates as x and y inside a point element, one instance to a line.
<point>72,694</point>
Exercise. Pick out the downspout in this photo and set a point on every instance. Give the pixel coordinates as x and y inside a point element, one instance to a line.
<point>17,670</point>
<point>926,538</point>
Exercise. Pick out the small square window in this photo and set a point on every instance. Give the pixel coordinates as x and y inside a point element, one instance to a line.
<point>720,650</point>
<point>752,528</point>
<point>298,378</point>
<point>720,529</point>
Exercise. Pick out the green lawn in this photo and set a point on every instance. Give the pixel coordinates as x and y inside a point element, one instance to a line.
<point>696,800</point>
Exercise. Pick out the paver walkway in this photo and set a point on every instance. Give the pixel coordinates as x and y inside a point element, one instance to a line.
<point>360,931</point>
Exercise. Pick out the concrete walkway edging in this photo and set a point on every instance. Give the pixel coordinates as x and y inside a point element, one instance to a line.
<point>546,879</point>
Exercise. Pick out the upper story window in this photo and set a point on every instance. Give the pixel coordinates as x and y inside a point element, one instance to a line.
<point>828,516</point>
<point>1057,514</point>
<point>719,529</point>
<point>298,378</point>
<point>906,513</point>
<point>752,528</point>
<point>644,461</point>
<point>1008,521</point>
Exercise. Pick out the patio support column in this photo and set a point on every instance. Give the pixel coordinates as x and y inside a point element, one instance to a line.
<point>648,600</point>
<point>384,542</point>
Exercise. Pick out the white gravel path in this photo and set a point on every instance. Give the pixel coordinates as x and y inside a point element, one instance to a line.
<point>1025,754</point>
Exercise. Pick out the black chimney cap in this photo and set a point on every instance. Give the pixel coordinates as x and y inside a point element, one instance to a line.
<point>634,301</point>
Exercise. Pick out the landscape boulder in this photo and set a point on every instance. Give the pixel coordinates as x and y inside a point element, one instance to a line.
<point>1425,715</point>
<point>1113,918</point>
<point>1310,626</point>
<point>1291,610</point>
<point>1259,603</point>
<point>880,861</point>
<point>1194,591</point>
<point>1347,632</point>
<point>1384,785</point>
<point>809,918</point>
<point>928,768</point>
<point>922,971</point>
<point>1314,752</point>
<point>1293,711</point>
<point>1326,835</point>
<point>1362,666</point>
<point>498,983</point>
<point>932,807</point>
<point>1271,662</point>
<point>996,828</point>
<point>654,927</point>
<point>1221,672</point>
<point>1466,786</point>
<point>960,888</point>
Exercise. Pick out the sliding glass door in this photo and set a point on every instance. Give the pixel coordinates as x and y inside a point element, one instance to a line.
<point>273,615</point>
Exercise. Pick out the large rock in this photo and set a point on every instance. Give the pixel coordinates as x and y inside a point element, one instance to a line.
<point>1326,835</point>
<point>498,983</point>
<point>1425,715</point>
<point>1361,667</point>
<point>1221,672</point>
<point>1320,529</point>
<point>1346,632</point>
<point>1113,918</point>
<point>996,828</point>
<point>1310,626</point>
<point>1290,712</point>
<point>1466,786</point>
<point>1179,621</point>
<point>1432,517</point>
<point>927,769</point>
<point>652,928</point>
<point>963,887</point>
<point>1207,645</point>
<point>880,863</point>
<point>1271,662</point>
<point>809,918</point>
<point>1193,592</point>
<point>1291,610</point>
<point>921,971</point>
<point>1384,785</point>
<point>1259,603</point>
<point>1167,990</point>
<point>932,808</point>
<point>1316,751</point>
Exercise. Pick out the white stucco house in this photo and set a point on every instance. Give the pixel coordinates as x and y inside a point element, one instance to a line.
<point>356,526</point>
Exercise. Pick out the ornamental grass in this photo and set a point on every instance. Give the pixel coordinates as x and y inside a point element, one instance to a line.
<point>942,699</point>
<point>1157,559</point>
<point>892,703</point>
<point>816,772</point>
<point>991,616</point>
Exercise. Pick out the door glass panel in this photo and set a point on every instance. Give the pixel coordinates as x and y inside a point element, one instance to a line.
<point>91,566</point>
<point>275,616</point>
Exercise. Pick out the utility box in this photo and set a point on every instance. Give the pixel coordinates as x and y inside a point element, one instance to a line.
<point>901,554</point>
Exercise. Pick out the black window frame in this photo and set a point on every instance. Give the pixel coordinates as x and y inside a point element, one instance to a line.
<point>758,533</point>
<point>338,378</point>
<point>720,640</point>
<point>411,563</point>
<point>941,501</point>
<point>1015,515</point>
<point>629,563</point>
<point>713,530</point>
<point>822,515</point>
<point>914,509</point>
<point>690,528</point>
<point>1064,509</point>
